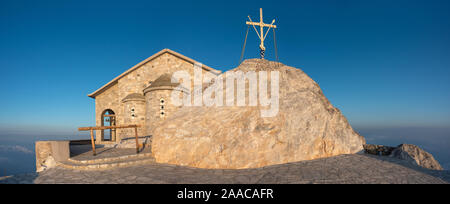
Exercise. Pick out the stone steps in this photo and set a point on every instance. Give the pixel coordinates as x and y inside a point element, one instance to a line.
<point>108,163</point>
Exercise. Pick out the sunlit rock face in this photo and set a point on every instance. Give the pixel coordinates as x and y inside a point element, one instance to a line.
<point>306,127</point>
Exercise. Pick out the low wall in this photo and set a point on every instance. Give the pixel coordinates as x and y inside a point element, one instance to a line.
<point>50,152</point>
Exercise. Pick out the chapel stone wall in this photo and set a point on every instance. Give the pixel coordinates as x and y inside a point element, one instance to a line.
<point>134,113</point>
<point>159,106</point>
<point>109,99</point>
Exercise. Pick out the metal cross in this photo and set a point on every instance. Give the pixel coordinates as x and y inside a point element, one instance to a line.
<point>261,25</point>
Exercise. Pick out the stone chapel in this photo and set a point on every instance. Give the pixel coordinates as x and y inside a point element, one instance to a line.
<point>141,95</point>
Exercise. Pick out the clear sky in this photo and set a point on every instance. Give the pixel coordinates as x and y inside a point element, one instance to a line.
<point>383,63</point>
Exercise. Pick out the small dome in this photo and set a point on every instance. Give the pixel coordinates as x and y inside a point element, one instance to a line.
<point>134,97</point>
<point>163,80</point>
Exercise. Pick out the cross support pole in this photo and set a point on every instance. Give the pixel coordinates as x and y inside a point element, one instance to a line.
<point>264,24</point>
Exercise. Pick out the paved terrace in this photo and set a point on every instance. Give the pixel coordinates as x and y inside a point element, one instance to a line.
<point>354,168</point>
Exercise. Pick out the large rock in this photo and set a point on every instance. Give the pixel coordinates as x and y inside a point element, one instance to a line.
<point>306,127</point>
<point>416,155</point>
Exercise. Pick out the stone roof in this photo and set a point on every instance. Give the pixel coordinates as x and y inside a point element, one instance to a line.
<point>163,82</point>
<point>134,97</point>
<point>114,81</point>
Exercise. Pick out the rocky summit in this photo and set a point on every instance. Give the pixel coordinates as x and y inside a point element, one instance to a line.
<point>416,155</point>
<point>307,126</point>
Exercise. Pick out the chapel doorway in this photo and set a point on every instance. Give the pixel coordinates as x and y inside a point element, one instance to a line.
<point>108,119</point>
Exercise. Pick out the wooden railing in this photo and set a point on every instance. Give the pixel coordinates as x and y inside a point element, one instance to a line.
<point>91,129</point>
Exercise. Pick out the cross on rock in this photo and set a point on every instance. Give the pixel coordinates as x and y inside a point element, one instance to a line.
<point>261,25</point>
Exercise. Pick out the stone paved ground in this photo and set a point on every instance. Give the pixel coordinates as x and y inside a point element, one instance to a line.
<point>355,168</point>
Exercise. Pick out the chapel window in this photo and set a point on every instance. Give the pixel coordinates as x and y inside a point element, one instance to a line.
<point>133,113</point>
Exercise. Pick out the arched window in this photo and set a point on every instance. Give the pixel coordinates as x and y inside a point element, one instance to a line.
<point>108,119</point>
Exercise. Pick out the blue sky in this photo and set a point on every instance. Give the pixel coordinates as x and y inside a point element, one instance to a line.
<point>383,63</point>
